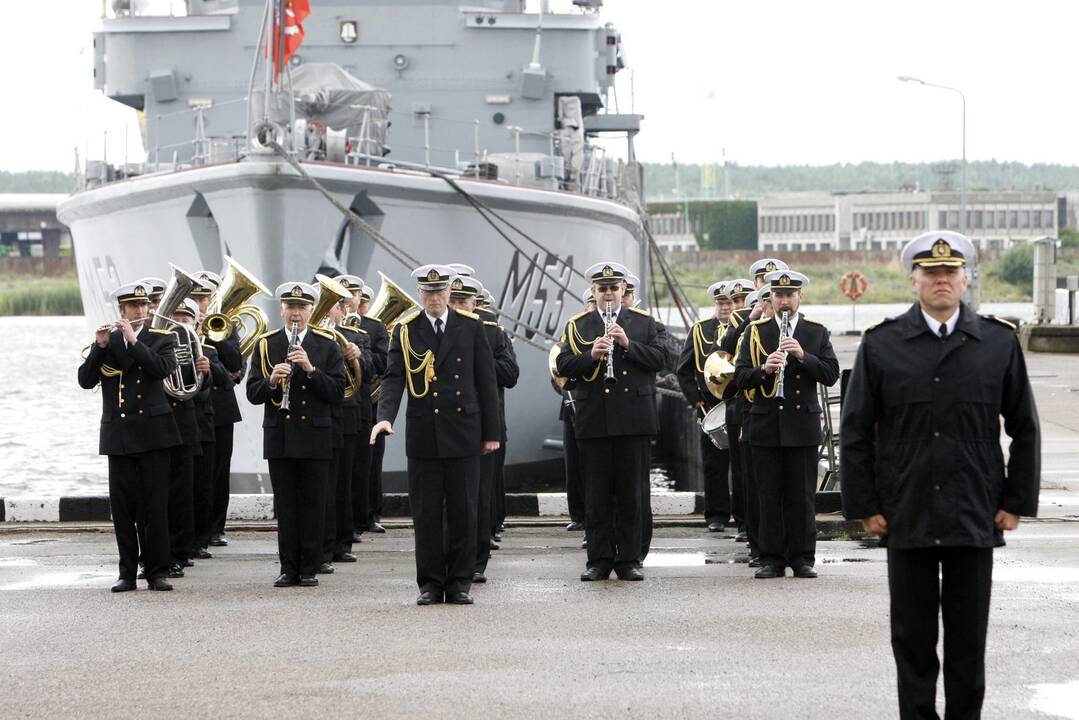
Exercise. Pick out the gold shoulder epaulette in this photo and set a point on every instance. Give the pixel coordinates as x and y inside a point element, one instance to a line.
<point>467,314</point>
<point>490,322</point>
<point>762,321</point>
<point>322,333</point>
<point>580,315</point>
<point>639,311</point>
<point>882,323</point>
<point>409,316</point>
<point>811,320</point>
<point>1002,321</point>
<point>161,331</point>
<point>268,333</point>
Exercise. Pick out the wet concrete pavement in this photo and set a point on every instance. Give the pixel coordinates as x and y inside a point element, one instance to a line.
<point>699,637</point>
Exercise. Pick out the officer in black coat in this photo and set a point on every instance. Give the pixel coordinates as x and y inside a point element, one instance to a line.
<point>616,418</point>
<point>923,468</point>
<point>443,358</point>
<point>137,432</point>
<point>367,490</point>
<point>298,374</point>
<point>782,364</point>
<point>715,463</point>
<point>575,496</point>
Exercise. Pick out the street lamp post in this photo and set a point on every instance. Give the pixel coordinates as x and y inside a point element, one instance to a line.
<point>963,177</point>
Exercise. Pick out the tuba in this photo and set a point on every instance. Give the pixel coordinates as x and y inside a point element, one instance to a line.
<point>231,303</point>
<point>388,305</point>
<point>330,293</point>
<point>184,382</point>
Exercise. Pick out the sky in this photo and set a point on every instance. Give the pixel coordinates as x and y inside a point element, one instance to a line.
<point>768,83</point>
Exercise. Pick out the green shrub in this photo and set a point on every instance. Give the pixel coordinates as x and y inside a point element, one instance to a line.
<point>1016,265</point>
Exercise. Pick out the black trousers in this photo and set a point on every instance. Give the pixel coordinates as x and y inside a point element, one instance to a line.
<point>361,474</point>
<point>923,584</point>
<point>374,481</point>
<point>738,480</point>
<point>485,510</point>
<point>139,497</point>
<point>299,487</point>
<point>717,488</point>
<point>646,515</point>
<point>615,469</point>
<point>204,494</point>
<point>787,487</point>
<point>499,503</point>
<point>222,474</point>
<point>574,478</point>
<point>337,529</point>
<point>181,503</point>
<point>752,498</point>
<point>443,495</point>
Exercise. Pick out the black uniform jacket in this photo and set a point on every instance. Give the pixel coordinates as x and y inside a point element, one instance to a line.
<point>453,403</point>
<point>223,393</point>
<point>136,415</point>
<point>700,343</point>
<point>506,369</point>
<point>628,406</point>
<point>920,436</point>
<point>205,409</point>
<point>795,419</point>
<point>352,408</point>
<point>378,343</point>
<point>307,430</point>
<point>737,405</point>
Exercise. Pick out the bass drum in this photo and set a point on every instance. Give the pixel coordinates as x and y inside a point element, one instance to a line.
<point>714,425</point>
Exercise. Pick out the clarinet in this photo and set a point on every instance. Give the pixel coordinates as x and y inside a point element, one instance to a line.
<point>784,332</point>
<point>608,322</point>
<point>292,344</point>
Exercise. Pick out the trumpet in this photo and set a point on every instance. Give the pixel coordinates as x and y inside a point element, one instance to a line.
<point>784,333</point>
<point>609,316</point>
<point>293,343</point>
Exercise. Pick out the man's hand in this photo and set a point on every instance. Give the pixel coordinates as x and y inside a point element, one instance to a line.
<point>774,362</point>
<point>299,357</point>
<point>793,347</point>
<point>601,347</point>
<point>351,352</point>
<point>1005,520</point>
<point>236,375</point>
<point>489,446</point>
<point>280,372</point>
<point>619,335</point>
<point>875,525</point>
<point>756,312</point>
<point>128,331</point>
<point>202,365</point>
<point>101,337</point>
<point>383,426</point>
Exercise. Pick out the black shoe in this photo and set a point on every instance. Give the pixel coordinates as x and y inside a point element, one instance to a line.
<point>219,541</point>
<point>176,571</point>
<point>345,557</point>
<point>459,598</point>
<point>308,581</point>
<point>497,537</point>
<point>574,526</point>
<point>286,580</point>
<point>629,573</point>
<point>805,571</point>
<point>428,597</point>
<point>123,585</point>
<point>325,569</point>
<point>158,584</point>
<point>754,562</point>
<point>741,537</point>
<point>375,527</point>
<point>478,577</point>
<point>715,526</point>
<point>357,537</point>
<point>769,571</point>
<point>187,563</point>
<point>202,554</point>
<point>594,574</point>
<point>494,545</point>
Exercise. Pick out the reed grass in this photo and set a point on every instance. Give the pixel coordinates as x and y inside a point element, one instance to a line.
<point>33,295</point>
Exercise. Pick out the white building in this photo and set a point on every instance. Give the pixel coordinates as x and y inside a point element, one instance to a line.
<point>669,231</point>
<point>794,222</point>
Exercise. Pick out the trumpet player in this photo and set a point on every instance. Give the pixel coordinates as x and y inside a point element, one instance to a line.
<point>130,360</point>
<point>612,355</point>
<point>782,359</point>
<point>297,374</point>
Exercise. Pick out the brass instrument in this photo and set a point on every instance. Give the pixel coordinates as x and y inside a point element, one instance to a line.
<point>293,343</point>
<point>609,316</point>
<point>231,302</point>
<point>552,366</point>
<point>784,332</point>
<point>352,321</point>
<point>718,373</point>
<point>330,293</point>
<point>388,306</point>
<point>184,382</point>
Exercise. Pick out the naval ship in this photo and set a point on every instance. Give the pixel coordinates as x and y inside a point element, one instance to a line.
<point>398,131</point>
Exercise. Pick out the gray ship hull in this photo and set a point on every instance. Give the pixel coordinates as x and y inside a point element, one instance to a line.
<point>277,225</point>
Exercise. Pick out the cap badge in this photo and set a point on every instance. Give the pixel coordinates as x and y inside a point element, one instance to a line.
<point>737,288</point>
<point>140,291</point>
<point>608,271</point>
<point>297,291</point>
<point>432,276</point>
<point>770,267</point>
<point>942,249</point>
<point>784,280</point>
<point>458,285</point>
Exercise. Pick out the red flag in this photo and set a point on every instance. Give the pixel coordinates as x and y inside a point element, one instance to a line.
<point>296,11</point>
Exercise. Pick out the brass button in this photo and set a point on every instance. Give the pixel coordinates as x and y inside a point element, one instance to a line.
<point>140,412</point>
<point>434,379</point>
<point>434,394</point>
<point>797,392</point>
<point>456,377</point>
<point>138,397</point>
<point>123,415</point>
<point>606,390</point>
<point>625,372</point>
<point>121,386</point>
<point>797,407</point>
<point>436,411</point>
<point>458,409</point>
<point>780,407</point>
<point>458,393</point>
<point>303,402</point>
<point>625,390</point>
<point>303,387</point>
<point>137,382</point>
<point>303,417</point>
<point>174,403</point>
<point>797,377</point>
<point>458,359</point>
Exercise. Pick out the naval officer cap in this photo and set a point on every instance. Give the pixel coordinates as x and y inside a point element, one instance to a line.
<point>632,281</point>
<point>607,273</point>
<point>753,297</point>
<point>432,278</point>
<point>367,293</point>
<point>352,283</point>
<point>296,292</point>
<point>781,280</point>
<point>136,292</point>
<point>464,287</point>
<point>188,307</point>
<point>485,298</point>
<point>940,248</point>
<point>157,287</point>
<point>210,282</point>
<point>739,288</point>
<point>766,265</point>
<point>587,296</point>
<point>461,269</point>
<point>718,290</point>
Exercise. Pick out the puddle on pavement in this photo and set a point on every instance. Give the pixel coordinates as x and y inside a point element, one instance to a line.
<point>1056,700</point>
<point>62,580</point>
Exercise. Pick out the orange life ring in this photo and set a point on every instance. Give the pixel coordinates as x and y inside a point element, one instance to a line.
<point>853,284</point>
